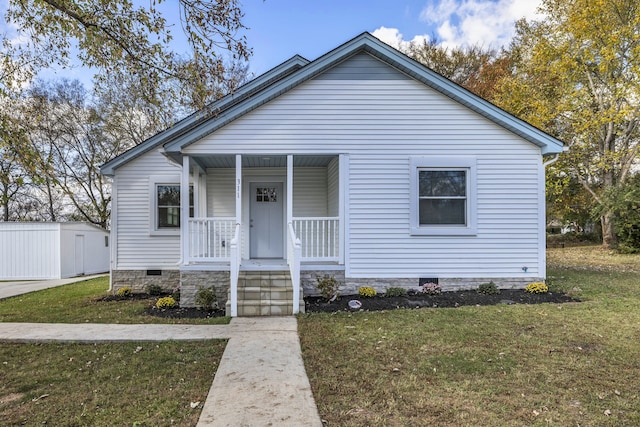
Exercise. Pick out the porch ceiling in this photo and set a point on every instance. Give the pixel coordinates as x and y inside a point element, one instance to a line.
<point>262,161</point>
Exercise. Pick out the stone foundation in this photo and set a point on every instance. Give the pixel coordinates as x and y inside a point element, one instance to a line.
<point>192,281</point>
<point>139,280</point>
<point>350,286</point>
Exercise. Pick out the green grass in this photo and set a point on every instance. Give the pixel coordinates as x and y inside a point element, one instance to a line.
<point>553,364</point>
<point>81,303</point>
<point>140,384</point>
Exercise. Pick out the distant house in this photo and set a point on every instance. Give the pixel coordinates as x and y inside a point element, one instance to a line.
<point>52,250</point>
<point>363,165</point>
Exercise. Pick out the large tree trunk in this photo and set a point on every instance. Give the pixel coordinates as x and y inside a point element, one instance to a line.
<point>609,238</point>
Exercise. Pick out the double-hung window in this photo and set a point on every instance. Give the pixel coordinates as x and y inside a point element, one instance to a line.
<point>165,199</point>
<point>443,196</point>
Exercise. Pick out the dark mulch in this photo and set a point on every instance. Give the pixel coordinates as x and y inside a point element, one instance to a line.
<point>168,313</point>
<point>183,313</point>
<point>442,300</point>
<point>377,303</point>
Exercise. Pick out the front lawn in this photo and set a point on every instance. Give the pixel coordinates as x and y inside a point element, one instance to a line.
<point>82,302</point>
<point>511,365</point>
<point>118,384</point>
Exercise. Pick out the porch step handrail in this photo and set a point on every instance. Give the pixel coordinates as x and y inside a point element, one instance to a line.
<point>320,237</point>
<point>294,248</point>
<point>235,247</point>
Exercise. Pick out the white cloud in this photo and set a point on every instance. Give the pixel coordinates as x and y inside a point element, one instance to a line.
<point>489,23</point>
<point>394,38</point>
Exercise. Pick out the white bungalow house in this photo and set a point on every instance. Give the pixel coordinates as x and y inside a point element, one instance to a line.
<point>363,164</point>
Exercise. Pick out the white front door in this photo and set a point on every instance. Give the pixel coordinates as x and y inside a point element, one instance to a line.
<point>266,222</point>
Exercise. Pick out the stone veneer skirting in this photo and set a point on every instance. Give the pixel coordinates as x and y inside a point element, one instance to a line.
<point>350,286</point>
<point>138,280</point>
<point>192,280</point>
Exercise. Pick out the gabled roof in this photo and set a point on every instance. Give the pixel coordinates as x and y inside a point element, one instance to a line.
<point>298,70</point>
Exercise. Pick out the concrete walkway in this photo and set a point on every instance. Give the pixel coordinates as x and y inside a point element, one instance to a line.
<point>12,289</point>
<point>261,380</point>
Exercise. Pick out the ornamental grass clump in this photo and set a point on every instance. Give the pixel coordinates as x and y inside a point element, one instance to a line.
<point>367,292</point>
<point>124,291</point>
<point>537,288</point>
<point>166,302</point>
<point>431,288</point>
<point>395,292</point>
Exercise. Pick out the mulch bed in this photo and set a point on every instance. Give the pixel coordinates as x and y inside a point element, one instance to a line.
<point>168,313</point>
<point>443,300</point>
<point>377,303</point>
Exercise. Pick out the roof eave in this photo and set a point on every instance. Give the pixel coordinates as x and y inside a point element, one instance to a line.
<point>208,113</point>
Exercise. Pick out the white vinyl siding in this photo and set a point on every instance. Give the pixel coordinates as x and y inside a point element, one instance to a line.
<point>309,192</point>
<point>333,186</point>
<point>221,192</point>
<point>136,247</point>
<point>381,125</point>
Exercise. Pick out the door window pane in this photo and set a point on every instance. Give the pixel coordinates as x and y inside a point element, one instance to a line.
<point>266,194</point>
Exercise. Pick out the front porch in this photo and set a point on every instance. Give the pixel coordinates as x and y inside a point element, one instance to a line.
<point>266,217</point>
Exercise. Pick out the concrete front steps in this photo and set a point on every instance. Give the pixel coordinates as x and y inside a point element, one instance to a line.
<point>264,293</point>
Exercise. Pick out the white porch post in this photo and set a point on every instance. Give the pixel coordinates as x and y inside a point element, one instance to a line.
<point>238,188</point>
<point>184,210</point>
<point>289,188</point>
<point>343,179</point>
<point>196,190</point>
<point>236,242</point>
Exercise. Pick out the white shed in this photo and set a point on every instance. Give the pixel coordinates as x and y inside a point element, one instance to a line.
<point>52,250</point>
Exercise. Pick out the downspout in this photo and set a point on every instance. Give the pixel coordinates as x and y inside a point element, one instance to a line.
<point>551,161</point>
<point>555,158</point>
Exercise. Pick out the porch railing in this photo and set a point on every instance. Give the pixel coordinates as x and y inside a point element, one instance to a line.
<point>293,259</point>
<point>319,237</point>
<point>210,238</point>
<point>236,255</point>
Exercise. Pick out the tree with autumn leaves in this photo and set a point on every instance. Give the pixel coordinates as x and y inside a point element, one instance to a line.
<point>55,135</point>
<point>576,75</point>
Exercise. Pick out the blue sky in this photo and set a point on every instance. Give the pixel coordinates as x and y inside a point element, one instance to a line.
<point>279,29</point>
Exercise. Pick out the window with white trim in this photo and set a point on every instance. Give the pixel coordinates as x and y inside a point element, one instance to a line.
<point>165,206</point>
<point>443,196</point>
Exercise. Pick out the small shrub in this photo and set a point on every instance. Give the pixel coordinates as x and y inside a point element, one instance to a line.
<point>206,297</point>
<point>124,291</point>
<point>395,292</point>
<point>367,292</point>
<point>154,290</point>
<point>488,289</point>
<point>537,288</point>
<point>431,288</point>
<point>328,286</point>
<point>166,302</point>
